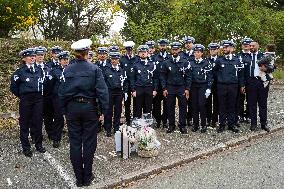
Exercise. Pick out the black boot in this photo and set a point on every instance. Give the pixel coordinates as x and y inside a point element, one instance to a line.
<point>266,128</point>
<point>203,129</point>
<point>253,127</point>
<point>221,129</point>
<point>171,129</point>
<point>195,128</point>
<point>234,129</point>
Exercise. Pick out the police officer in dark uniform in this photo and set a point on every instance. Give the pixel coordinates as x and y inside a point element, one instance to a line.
<point>175,83</point>
<point>56,74</point>
<point>256,90</point>
<point>48,109</point>
<point>143,81</point>
<point>245,57</point>
<point>201,79</point>
<point>27,85</point>
<point>126,62</point>
<point>152,49</point>
<point>188,51</point>
<point>102,60</point>
<point>113,48</point>
<point>229,72</point>
<point>115,78</point>
<point>54,60</point>
<point>158,59</point>
<point>91,56</point>
<point>188,54</point>
<point>82,83</point>
<point>213,112</point>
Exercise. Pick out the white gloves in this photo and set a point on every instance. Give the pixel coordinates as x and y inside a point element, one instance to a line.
<point>207,93</point>
<point>125,96</point>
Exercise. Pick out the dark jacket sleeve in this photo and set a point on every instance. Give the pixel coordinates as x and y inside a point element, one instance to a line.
<point>155,79</point>
<point>241,76</point>
<point>125,82</point>
<point>101,90</point>
<point>209,75</point>
<point>163,75</point>
<point>132,78</point>
<point>14,86</point>
<point>188,74</point>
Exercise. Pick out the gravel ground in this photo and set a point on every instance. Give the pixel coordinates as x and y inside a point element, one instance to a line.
<point>40,172</point>
<point>258,165</point>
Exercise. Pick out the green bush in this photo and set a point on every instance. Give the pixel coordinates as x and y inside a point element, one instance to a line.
<point>9,61</point>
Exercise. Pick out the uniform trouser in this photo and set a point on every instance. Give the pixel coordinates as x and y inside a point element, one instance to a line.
<point>189,110</point>
<point>48,116</point>
<point>240,106</point>
<point>257,94</point>
<point>227,96</point>
<point>173,93</point>
<point>157,108</point>
<point>58,119</point>
<point>82,122</point>
<point>127,105</point>
<point>114,110</point>
<point>30,109</point>
<point>198,104</point>
<point>215,104</point>
<point>144,98</point>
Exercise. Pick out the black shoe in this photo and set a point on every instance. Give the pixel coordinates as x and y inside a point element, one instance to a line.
<point>158,125</point>
<point>56,144</point>
<point>165,125</point>
<point>28,153</point>
<point>108,134</point>
<point>253,127</point>
<point>238,124</point>
<point>214,125</point>
<point>183,130</point>
<point>170,130</point>
<point>189,123</point>
<point>266,128</point>
<point>41,150</point>
<point>203,129</point>
<point>247,120</point>
<point>79,184</point>
<point>128,123</point>
<point>89,182</point>
<point>194,129</point>
<point>234,129</point>
<point>221,129</point>
<point>242,119</point>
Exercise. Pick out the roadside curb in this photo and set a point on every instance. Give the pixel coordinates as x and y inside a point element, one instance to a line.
<point>137,175</point>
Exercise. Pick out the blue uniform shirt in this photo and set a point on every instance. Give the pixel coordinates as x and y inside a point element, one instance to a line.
<point>26,80</point>
<point>175,71</point>
<point>47,84</point>
<point>201,72</point>
<point>144,74</point>
<point>84,79</point>
<point>56,79</point>
<point>229,70</point>
<point>115,78</point>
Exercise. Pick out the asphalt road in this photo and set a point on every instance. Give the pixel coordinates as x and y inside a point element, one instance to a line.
<point>259,165</point>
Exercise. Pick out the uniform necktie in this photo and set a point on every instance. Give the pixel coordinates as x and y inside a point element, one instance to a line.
<point>32,69</point>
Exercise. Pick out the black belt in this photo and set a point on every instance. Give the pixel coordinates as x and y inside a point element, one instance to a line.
<point>83,100</point>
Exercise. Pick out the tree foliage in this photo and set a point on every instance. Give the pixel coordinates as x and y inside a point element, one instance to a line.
<point>73,19</point>
<point>206,20</point>
<point>16,15</point>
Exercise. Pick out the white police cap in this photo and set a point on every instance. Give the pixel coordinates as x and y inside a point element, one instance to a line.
<point>81,45</point>
<point>128,44</point>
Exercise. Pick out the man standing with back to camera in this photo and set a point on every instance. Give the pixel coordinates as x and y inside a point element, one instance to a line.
<point>83,82</point>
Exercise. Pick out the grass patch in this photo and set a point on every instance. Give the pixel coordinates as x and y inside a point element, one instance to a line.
<point>279,74</point>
